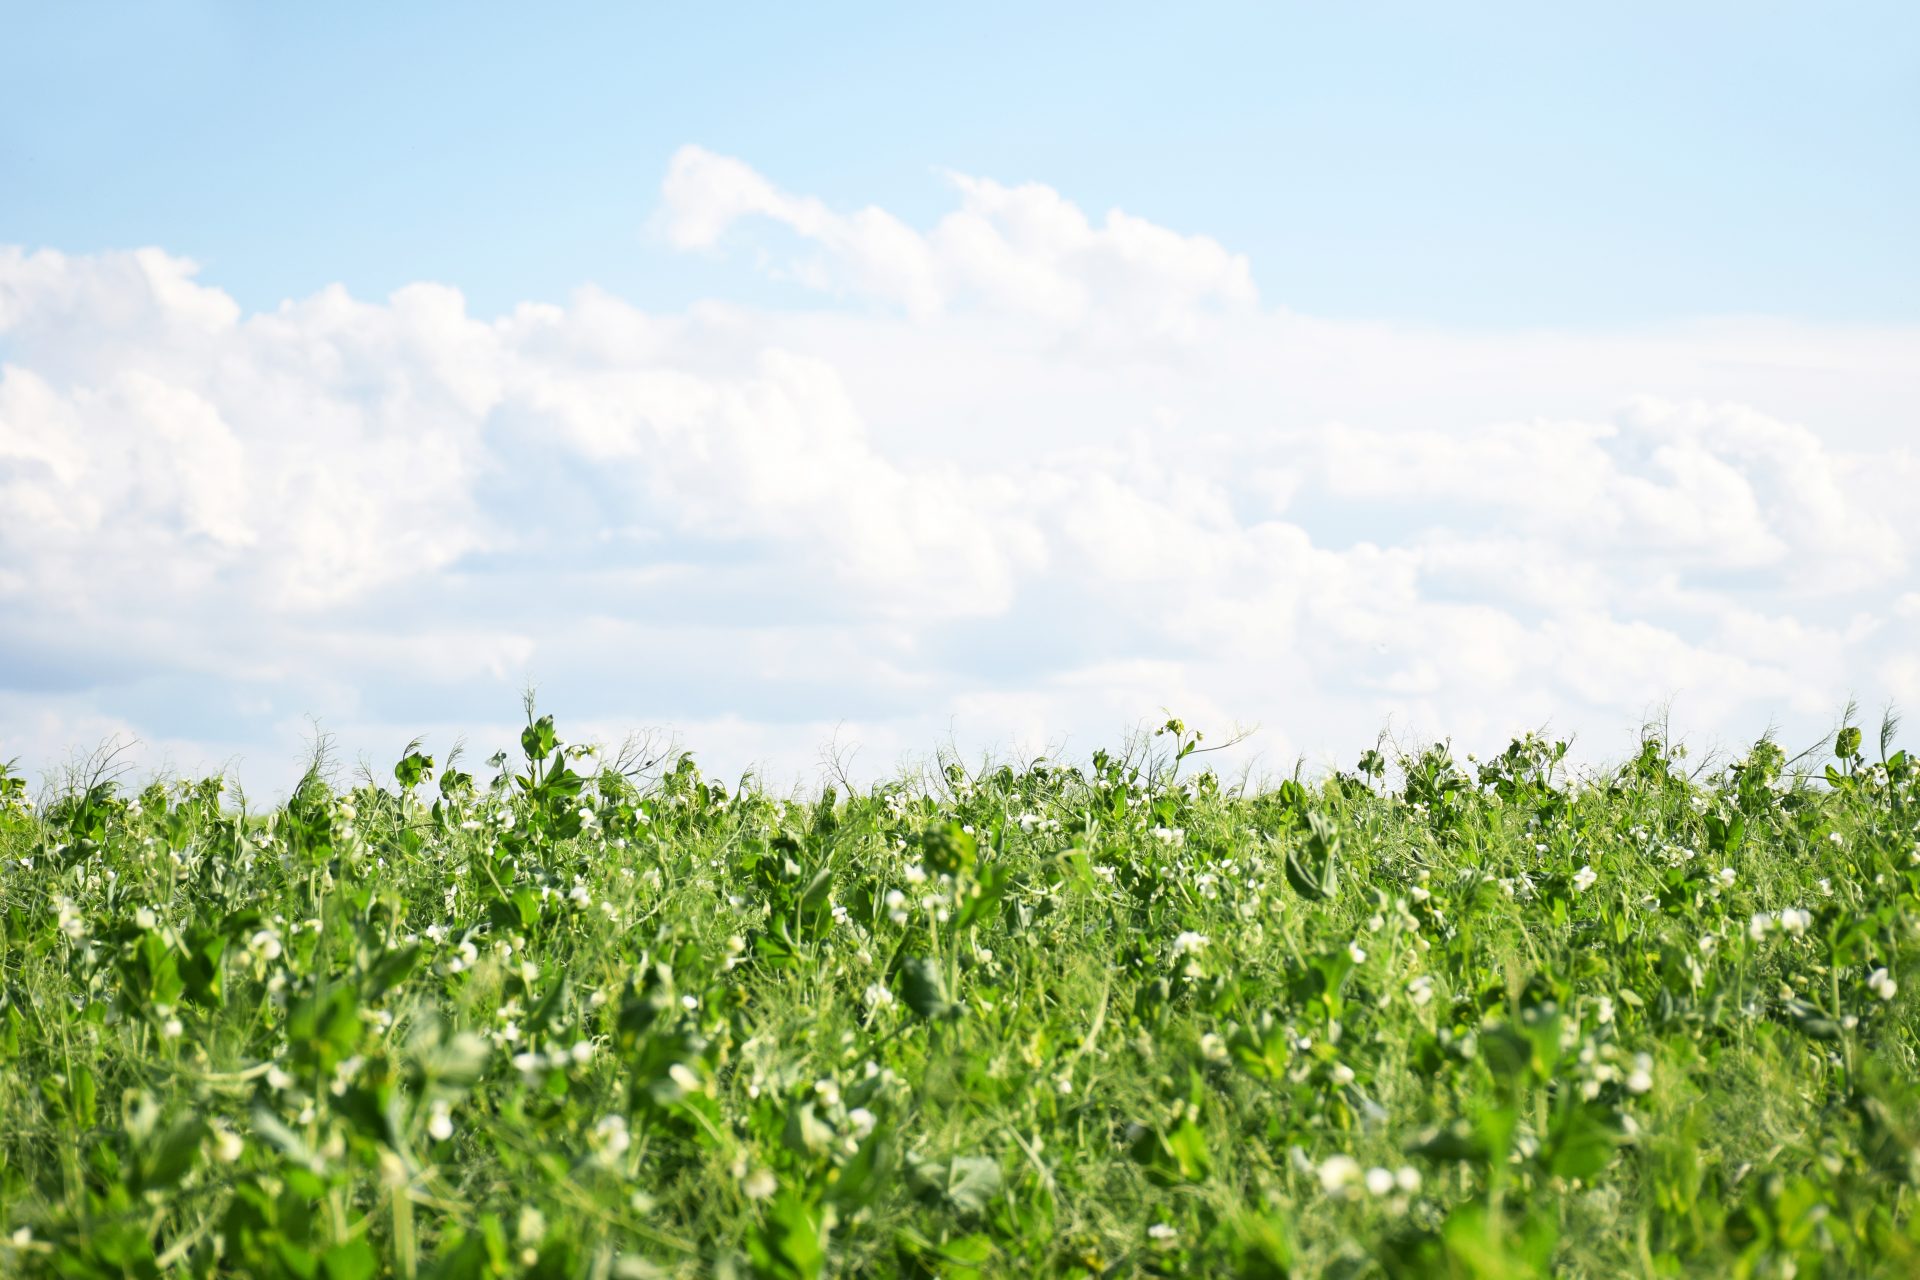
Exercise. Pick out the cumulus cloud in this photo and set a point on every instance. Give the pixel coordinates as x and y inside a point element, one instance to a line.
<point>1025,250</point>
<point>1695,485</point>
<point>1017,500</point>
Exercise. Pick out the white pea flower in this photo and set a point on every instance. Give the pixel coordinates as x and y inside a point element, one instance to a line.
<point>1337,1173</point>
<point>226,1145</point>
<point>72,923</point>
<point>610,1139</point>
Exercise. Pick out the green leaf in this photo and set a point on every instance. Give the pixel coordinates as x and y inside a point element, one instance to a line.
<point>867,1173</point>
<point>1725,837</point>
<point>173,1154</point>
<point>296,1260</point>
<point>791,1243</point>
<point>538,739</point>
<point>1187,1144</point>
<point>1581,1141</point>
<point>368,1112</point>
<point>971,1182</point>
<point>1264,1245</point>
<point>411,769</point>
<point>390,970</point>
<point>350,1260</point>
<point>1507,1053</point>
<point>806,1133</point>
<point>983,897</point>
<point>1486,1247</point>
<point>1263,1049</point>
<point>202,973</point>
<point>949,849</point>
<point>1314,872</point>
<point>962,1184</point>
<point>1175,1157</point>
<point>924,987</point>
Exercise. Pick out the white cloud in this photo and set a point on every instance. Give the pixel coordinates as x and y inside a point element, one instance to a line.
<point>1024,251</point>
<point>1069,474</point>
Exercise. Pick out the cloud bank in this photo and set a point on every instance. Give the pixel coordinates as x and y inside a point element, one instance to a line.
<point>1022,476</point>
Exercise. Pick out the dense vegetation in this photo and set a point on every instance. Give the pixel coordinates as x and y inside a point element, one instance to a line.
<point>1429,1017</point>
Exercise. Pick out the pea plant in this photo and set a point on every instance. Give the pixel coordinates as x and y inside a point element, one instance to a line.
<point>1436,1016</point>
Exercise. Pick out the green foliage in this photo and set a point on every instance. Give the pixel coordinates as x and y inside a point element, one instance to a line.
<point>1436,1017</point>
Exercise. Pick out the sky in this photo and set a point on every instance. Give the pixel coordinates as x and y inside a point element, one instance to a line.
<point>857,380</point>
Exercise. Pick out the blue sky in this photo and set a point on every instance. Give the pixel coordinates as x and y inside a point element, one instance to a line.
<point>1454,165</point>
<point>992,376</point>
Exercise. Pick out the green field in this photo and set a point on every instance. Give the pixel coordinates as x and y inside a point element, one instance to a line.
<point>567,1016</point>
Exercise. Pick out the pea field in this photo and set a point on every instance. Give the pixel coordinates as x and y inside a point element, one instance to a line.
<point>574,1013</point>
